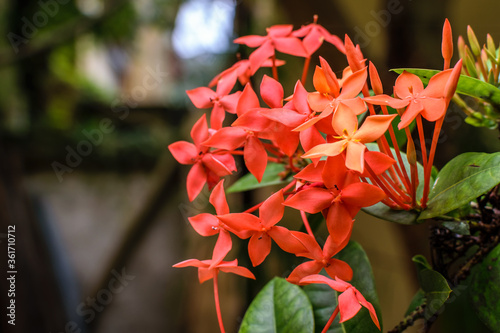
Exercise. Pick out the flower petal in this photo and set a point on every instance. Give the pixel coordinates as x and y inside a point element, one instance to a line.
<point>255,156</point>
<point>362,194</point>
<point>196,179</point>
<point>228,138</point>
<point>251,40</point>
<point>348,305</point>
<point>373,128</point>
<point>311,200</point>
<point>199,132</point>
<point>218,199</point>
<point>344,119</point>
<point>339,223</point>
<point>205,224</point>
<point>259,247</point>
<point>325,149</point>
<point>272,210</point>
<point>407,85</point>
<point>305,269</point>
<point>247,100</point>
<point>355,156</point>
<point>339,268</point>
<point>286,240</point>
<point>290,45</point>
<point>184,152</point>
<point>221,248</point>
<point>260,55</point>
<point>202,97</point>
<point>241,221</point>
<point>271,92</point>
<point>352,86</point>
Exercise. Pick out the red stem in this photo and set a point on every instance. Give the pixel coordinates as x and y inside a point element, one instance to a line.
<point>401,172</point>
<point>305,70</point>
<point>306,223</point>
<point>421,136</point>
<point>393,196</point>
<point>217,302</point>
<point>275,69</point>
<point>330,321</point>
<point>427,171</point>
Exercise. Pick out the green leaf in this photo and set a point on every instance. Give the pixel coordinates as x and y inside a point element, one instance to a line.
<point>433,284</point>
<point>462,180</point>
<point>279,307</point>
<point>458,227</point>
<point>382,211</point>
<point>249,182</point>
<point>485,290</point>
<point>324,299</point>
<point>466,84</point>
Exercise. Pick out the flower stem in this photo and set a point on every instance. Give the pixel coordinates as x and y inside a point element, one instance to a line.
<point>217,302</point>
<point>275,69</point>
<point>428,169</point>
<point>330,321</point>
<point>421,136</point>
<point>306,223</point>
<point>305,70</point>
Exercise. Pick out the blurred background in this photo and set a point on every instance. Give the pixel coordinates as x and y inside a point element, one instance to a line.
<point>92,92</point>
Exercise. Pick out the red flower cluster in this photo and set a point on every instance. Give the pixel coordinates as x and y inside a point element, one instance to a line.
<point>317,136</point>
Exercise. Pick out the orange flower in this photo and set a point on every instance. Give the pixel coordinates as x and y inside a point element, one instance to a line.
<point>352,139</point>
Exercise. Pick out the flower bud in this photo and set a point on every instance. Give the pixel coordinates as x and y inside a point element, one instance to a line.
<point>474,44</point>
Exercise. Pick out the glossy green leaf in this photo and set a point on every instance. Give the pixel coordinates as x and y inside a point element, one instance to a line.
<point>466,85</point>
<point>324,299</point>
<point>462,180</point>
<point>382,211</point>
<point>485,290</point>
<point>458,227</point>
<point>433,284</point>
<point>279,307</point>
<point>249,182</point>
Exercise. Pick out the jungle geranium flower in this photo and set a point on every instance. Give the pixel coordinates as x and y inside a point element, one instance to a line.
<point>208,225</point>
<point>263,228</point>
<point>350,138</point>
<point>429,102</point>
<point>330,93</point>
<point>294,113</point>
<point>252,118</point>
<point>340,204</point>
<point>314,35</point>
<point>207,167</point>
<point>243,71</point>
<point>279,38</point>
<point>208,270</point>
<point>350,300</point>
<point>219,100</point>
<point>321,258</point>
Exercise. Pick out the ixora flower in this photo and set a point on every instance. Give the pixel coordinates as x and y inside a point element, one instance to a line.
<point>262,229</point>
<point>207,167</point>
<point>208,270</point>
<point>279,37</point>
<point>350,301</point>
<point>350,138</point>
<point>313,146</point>
<point>430,102</point>
<point>219,100</point>
<point>321,258</point>
<point>314,35</point>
